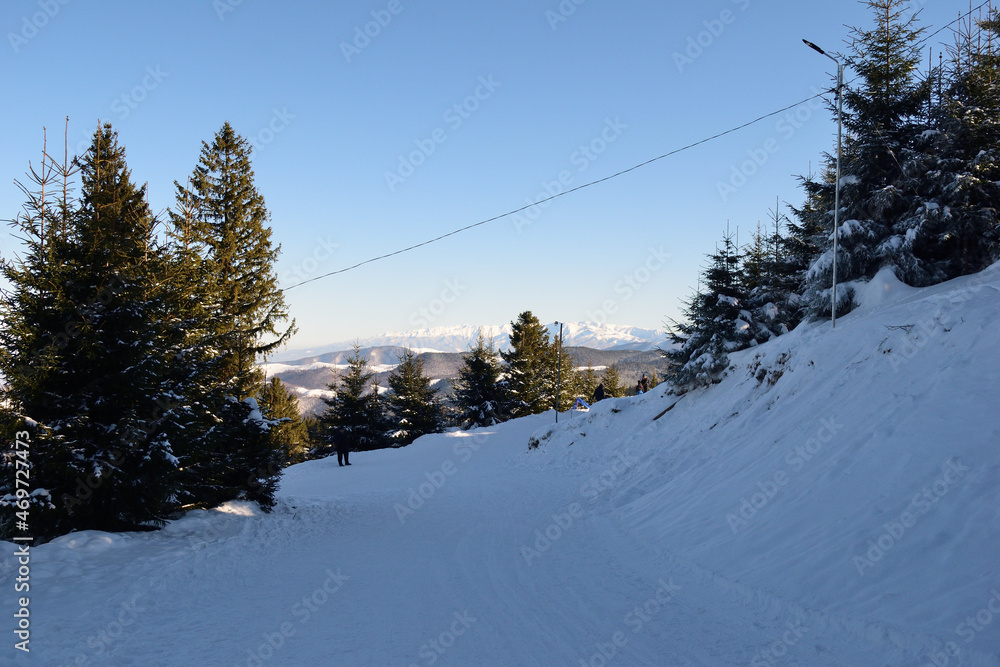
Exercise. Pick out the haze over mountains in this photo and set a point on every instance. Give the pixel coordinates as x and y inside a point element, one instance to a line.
<point>594,335</point>
<point>308,372</point>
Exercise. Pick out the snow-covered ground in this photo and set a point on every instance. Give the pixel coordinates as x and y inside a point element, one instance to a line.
<point>834,501</point>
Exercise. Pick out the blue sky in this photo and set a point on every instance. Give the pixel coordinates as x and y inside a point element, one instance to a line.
<point>383,123</point>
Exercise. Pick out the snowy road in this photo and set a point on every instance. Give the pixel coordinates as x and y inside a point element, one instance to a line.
<point>456,551</point>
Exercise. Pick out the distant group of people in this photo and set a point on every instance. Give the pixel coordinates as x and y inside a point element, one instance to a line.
<point>641,387</point>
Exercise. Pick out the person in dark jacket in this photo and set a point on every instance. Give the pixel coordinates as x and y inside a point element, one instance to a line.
<point>644,383</point>
<point>343,445</point>
<point>599,393</point>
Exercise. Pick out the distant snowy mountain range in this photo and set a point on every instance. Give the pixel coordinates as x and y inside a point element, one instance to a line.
<point>458,339</point>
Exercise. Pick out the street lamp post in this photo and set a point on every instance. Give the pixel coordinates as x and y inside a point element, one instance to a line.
<point>559,370</point>
<point>836,204</point>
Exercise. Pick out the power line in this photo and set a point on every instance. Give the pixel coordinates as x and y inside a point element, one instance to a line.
<point>606,178</point>
<point>944,27</point>
<point>561,194</point>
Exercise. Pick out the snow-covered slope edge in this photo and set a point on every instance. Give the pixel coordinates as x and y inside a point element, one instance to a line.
<point>846,478</point>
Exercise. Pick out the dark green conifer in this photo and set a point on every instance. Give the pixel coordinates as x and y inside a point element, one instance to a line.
<point>413,406</point>
<point>481,394</point>
<point>530,366</point>
<point>291,433</point>
<point>356,407</point>
<point>88,360</point>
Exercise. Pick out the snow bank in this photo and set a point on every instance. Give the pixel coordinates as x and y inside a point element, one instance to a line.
<point>848,474</point>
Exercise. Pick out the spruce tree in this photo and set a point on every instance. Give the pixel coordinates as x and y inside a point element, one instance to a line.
<point>612,381</point>
<point>481,394</point>
<point>413,406</point>
<point>530,366</point>
<point>769,282</point>
<point>356,407</point>
<point>88,360</point>
<point>952,228</point>
<point>231,222</point>
<point>562,378</point>
<point>588,383</point>
<point>883,122</point>
<point>717,323</point>
<point>808,236</point>
<point>235,308</point>
<point>290,433</point>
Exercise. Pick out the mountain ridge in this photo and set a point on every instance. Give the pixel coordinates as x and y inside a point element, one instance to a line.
<point>459,338</point>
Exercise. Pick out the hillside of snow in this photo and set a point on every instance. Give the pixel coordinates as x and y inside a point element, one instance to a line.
<point>599,336</point>
<point>835,500</point>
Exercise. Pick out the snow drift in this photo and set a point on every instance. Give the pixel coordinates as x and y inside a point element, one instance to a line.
<point>850,475</point>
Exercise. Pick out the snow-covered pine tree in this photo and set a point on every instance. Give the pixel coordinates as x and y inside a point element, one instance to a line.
<point>883,119</point>
<point>88,358</point>
<point>530,366</point>
<point>716,323</point>
<point>356,406</point>
<point>808,236</point>
<point>222,220</point>
<point>481,394</point>
<point>952,228</point>
<point>768,283</point>
<point>413,406</point>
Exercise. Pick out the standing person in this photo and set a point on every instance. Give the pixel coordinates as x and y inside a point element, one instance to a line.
<point>638,388</point>
<point>644,384</point>
<point>343,445</point>
<point>599,392</point>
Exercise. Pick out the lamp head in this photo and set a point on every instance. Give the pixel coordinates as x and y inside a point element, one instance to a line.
<point>814,47</point>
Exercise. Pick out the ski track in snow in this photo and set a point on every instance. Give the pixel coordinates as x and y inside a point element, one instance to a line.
<point>543,557</point>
